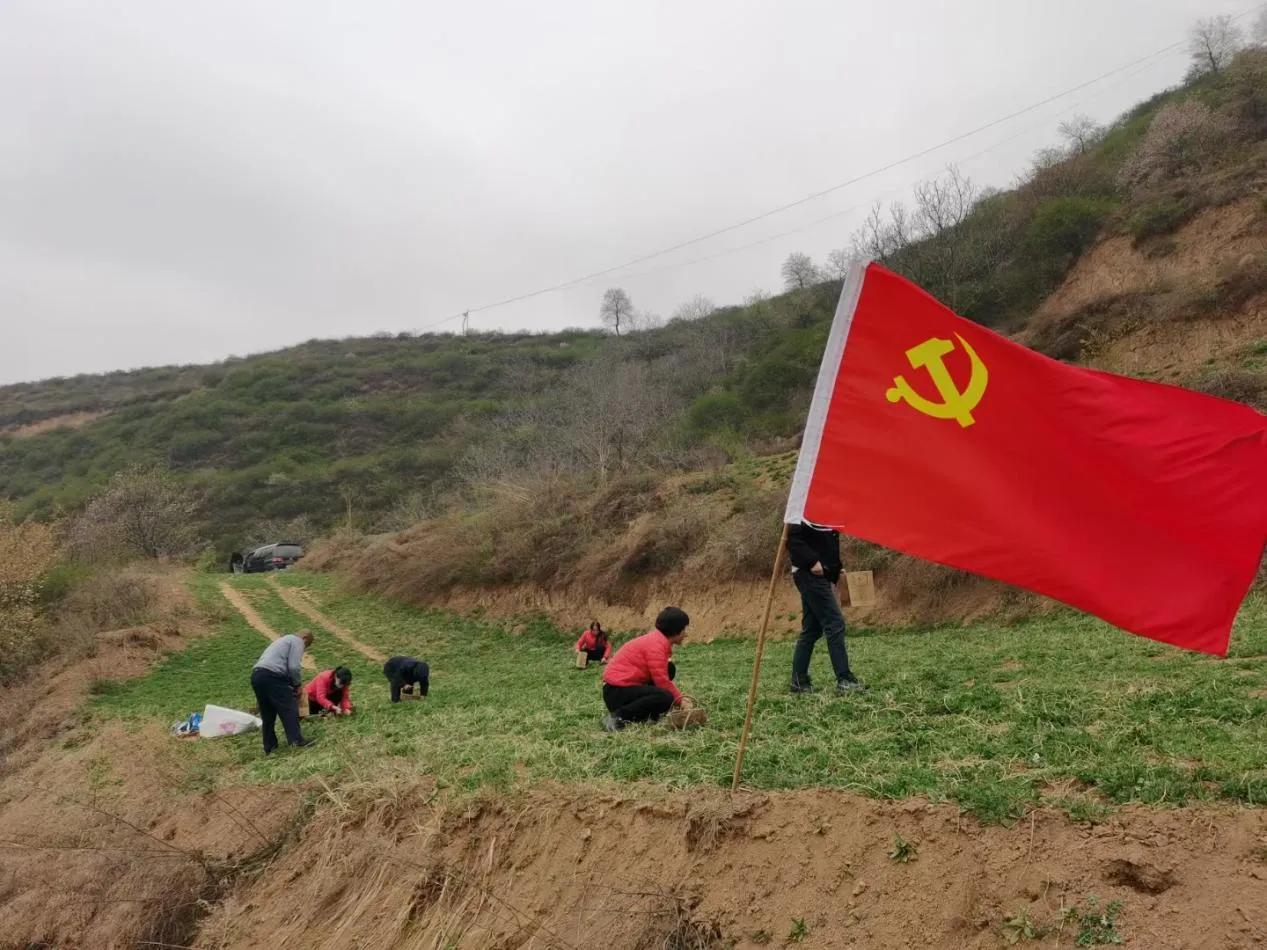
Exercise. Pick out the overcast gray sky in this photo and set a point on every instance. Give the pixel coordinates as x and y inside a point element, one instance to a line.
<point>181,181</point>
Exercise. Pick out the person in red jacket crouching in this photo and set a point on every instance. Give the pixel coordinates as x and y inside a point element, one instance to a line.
<point>595,644</point>
<point>638,682</point>
<point>331,692</point>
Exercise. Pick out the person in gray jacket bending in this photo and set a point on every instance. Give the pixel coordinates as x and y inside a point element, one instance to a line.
<point>277,680</point>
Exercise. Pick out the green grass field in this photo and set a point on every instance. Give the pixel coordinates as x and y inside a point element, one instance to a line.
<point>1061,709</point>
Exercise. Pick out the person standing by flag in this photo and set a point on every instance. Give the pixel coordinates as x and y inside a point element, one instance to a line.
<point>816,566</point>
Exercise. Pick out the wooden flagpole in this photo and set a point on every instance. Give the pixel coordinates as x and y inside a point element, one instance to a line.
<point>756,661</point>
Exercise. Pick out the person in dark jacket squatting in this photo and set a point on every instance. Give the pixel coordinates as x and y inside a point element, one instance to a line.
<point>815,555</point>
<point>403,672</point>
<point>638,682</point>
<point>277,679</point>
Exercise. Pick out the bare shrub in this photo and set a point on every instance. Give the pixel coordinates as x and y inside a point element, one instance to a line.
<point>742,546</point>
<point>1184,138</point>
<point>1242,92</point>
<point>142,512</point>
<point>607,420</point>
<point>697,308</point>
<point>299,529</point>
<point>27,551</point>
<point>1081,132</point>
<point>109,600</point>
<point>1238,385</point>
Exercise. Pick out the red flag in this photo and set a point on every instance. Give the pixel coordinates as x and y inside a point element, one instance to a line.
<point>1141,503</point>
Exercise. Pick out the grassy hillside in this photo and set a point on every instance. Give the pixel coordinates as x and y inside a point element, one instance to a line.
<point>399,429</point>
<point>1064,710</point>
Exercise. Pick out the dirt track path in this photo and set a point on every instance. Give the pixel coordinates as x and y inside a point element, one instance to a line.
<point>298,601</point>
<point>248,613</point>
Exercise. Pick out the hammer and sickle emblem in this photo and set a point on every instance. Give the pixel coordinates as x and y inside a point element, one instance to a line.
<point>955,404</point>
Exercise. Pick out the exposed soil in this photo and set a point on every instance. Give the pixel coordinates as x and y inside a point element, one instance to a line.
<point>615,868</point>
<point>1216,243</point>
<point>103,845</point>
<point>69,420</point>
<point>1210,241</point>
<point>102,841</point>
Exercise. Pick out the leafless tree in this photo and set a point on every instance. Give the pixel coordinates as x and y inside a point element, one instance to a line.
<point>697,308</point>
<point>1081,132</point>
<point>1259,30</point>
<point>607,419</point>
<point>1212,44</point>
<point>799,271</point>
<point>617,310</point>
<point>142,512</point>
<point>943,203</point>
<point>645,320</point>
<point>838,263</point>
<point>1048,157</point>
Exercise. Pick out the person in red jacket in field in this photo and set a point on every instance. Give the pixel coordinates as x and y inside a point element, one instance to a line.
<point>594,643</point>
<point>331,692</point>
<point>638,682</point>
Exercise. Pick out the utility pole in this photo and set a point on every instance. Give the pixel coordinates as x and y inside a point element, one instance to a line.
<point>466,322</point>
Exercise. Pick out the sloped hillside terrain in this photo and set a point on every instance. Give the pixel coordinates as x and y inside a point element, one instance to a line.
<point>990,788</point>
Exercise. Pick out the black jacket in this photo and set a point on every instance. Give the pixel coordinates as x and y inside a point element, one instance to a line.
<point>807,545</point>
<point>405,670</point>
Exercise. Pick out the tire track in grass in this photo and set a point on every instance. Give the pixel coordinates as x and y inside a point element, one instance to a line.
<point>240,604</point>
<point>298,601</point>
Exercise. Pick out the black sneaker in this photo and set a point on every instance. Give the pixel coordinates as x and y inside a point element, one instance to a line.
<point>849,684</point>
<point>796,688</point>
<point>302,743</point>
<point>613,724</point>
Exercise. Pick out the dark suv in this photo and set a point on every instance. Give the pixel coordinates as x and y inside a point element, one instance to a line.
<point>272,557</point>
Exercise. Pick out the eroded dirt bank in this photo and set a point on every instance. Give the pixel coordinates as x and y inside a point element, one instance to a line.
<point>630,868</point>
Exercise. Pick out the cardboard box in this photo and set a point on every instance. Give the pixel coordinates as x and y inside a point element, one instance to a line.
<point>861,585</point>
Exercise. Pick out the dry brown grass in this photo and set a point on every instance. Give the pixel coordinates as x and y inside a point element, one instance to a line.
<point>27,551</point>
<point>554,534</point>
<point>637,538</point>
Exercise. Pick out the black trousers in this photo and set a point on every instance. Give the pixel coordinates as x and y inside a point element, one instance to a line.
<point>398,683</point>
<point>595,654</point>
<point>638,703</point>
<point>276,697</point>
<point>820,618</point>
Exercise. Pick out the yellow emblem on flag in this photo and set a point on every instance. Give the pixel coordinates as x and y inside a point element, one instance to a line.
<point>955,404</point>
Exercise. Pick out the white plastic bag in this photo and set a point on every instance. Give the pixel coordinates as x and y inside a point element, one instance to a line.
<point>220,721</point>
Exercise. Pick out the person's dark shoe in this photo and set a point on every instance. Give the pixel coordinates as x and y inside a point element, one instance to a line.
<point>302,743</point>
<point>613,724</point>
<point>801,686</point>
<point>849,684</point>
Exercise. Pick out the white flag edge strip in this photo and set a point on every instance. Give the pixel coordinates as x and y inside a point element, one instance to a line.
<point>828,369</point>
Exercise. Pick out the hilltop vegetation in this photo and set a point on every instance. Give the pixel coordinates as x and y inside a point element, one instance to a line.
<point>386,432</point>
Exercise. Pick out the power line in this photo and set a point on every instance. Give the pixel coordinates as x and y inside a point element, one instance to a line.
<point>813,196</point>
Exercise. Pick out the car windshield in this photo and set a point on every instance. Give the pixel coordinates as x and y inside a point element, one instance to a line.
<point>287,550</point>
